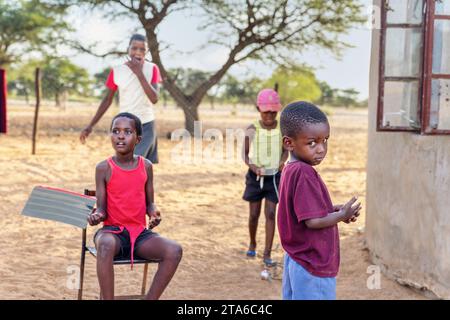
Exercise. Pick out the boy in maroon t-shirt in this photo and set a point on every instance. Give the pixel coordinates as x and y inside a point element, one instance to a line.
<point>307,219</point>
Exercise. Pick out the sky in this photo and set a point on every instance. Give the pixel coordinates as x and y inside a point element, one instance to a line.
<point>180,31</point>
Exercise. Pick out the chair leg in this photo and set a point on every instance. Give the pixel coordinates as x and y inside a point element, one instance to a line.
<point>82,260</point>
<point>144,280</point>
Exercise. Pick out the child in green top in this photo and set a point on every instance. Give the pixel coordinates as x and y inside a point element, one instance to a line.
<point>265,157</point>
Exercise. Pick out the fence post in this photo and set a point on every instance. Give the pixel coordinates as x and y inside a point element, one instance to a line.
<point>3,118</point>
<point>36,110</point>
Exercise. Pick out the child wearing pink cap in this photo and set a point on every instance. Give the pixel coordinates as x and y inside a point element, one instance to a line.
<point>265,157</point>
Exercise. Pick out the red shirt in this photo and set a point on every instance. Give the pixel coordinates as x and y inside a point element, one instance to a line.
<point>126,204</point>
<point>110,84</point>
<point>303,196</point>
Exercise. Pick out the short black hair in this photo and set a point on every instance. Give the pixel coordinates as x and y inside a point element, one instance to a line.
<point>298,114</point>
<point>137,37</point>
<point>137,121</point>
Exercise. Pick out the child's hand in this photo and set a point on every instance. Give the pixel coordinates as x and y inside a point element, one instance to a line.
<point>96,217</point>
<point>350,210</point>
<point>338,207</point>
<point>85,133</point>
<point>155,219</point>
<point>257,170</point>
<point>135,65</point>
<point>352,219</point>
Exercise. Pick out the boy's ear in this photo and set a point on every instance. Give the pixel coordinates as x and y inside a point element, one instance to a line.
<point>138,139</point>
<point>288,143</point>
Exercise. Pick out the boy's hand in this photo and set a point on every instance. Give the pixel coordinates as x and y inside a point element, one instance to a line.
<point>350,210</point>
<point>96,217</point>
<point>352,219</point>
<point>135,65</point>
<point>85,133</point>
<point>155,219</point>
<point>338,207</point>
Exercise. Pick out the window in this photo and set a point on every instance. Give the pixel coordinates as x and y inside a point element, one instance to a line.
<point>414,82</point>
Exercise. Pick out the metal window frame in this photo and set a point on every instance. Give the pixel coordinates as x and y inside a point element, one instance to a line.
<point>428,70</point>
<point>426,77</point>
<point>382,78</point>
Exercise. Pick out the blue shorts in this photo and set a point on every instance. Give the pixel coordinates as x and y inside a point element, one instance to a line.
<point>299,284</point>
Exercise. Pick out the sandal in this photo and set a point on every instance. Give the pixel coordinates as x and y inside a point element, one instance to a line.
<point>251,253</point>
<point>269,262</point>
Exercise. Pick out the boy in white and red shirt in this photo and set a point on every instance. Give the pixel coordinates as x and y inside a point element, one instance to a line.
<point>137,81</point>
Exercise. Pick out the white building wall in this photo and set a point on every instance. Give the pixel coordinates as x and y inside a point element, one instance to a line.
<point>408,200</point>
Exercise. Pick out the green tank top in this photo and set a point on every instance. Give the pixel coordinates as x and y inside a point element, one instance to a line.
<point>266,147</point>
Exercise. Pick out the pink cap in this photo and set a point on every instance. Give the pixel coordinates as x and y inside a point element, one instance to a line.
<point>268,100</point>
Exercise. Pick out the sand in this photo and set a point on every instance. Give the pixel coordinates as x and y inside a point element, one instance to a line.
<point>201,207</point>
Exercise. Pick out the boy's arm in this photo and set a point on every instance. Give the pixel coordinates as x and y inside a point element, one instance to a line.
<point>346,213</point>
<point>104,105</point>
<point>152,211</point>
<point>151,91</point>
<point>100,192</point>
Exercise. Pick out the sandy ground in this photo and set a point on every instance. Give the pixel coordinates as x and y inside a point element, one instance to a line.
<point>200,203</point>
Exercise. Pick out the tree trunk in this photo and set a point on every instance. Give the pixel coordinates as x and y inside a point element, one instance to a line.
<point>64,99</point>
<point>189,105</point>
<point>190,116</point>
<point>57,100</point>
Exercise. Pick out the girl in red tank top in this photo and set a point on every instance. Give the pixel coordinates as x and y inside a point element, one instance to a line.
<point>125,196</point>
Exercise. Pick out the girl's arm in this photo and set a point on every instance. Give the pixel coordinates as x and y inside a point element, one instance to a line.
<point>151,91</point>
<point>100,192</point>
<point>249,136</point>
<point>104,105</point>
<point>152,211</point>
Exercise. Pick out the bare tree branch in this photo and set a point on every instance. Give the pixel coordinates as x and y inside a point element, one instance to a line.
<point>90,50</point>
<point>250,29</point>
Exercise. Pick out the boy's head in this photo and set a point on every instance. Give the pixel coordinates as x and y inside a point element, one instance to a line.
<point>305,131</point>
<point>268,104</point>
<point>137,48</point>
<point>126,132</point>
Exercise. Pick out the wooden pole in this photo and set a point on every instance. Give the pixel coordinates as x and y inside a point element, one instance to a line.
<point>3,118</point>
<point>36,110</point>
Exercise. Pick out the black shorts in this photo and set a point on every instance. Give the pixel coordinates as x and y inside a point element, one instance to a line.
<point>125,244</point>
<point>253,191</point>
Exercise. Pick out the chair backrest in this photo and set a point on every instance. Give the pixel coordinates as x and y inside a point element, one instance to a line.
<point>59,205</point>
<point>90,193</point>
